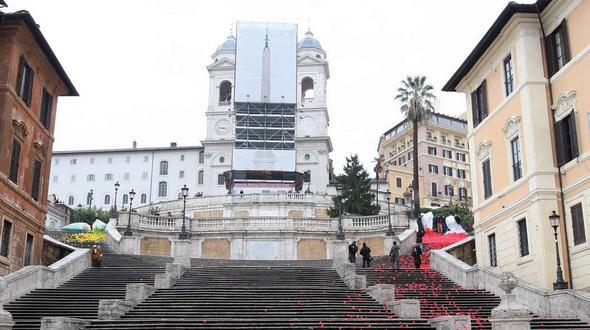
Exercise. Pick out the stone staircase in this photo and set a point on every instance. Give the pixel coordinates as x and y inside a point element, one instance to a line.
<point>439,296</point>
<point>252,295</point>
<point>79,297</point>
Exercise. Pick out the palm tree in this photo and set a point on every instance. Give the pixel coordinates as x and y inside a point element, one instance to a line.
<point>417,106</point>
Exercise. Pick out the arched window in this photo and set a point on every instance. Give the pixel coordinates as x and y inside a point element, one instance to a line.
<point>162,189</point>
<point>143,198</point>
<point>307,90</point>
<point>225,92</point>
<point>125,199</point>
<point>200,177</point>
<point>107,199</point>
<point>163,167</point>
<point>201,157</point>
<point>71,200</point>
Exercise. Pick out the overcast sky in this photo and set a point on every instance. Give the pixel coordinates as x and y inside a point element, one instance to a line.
<point>139,65</point>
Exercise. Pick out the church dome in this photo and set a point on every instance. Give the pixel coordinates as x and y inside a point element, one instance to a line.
<point>309,42</point>
<point>228,45</point>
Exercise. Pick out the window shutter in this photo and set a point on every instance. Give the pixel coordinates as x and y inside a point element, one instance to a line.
<point>550,54</point>
<point>559,143</point>
<point>474,111</point>
<point>19,78</point>
<point>36,180</point>
<point>565,40</point>
<point>29,87</point>
<point>573,134</point>
<point>484,100</point>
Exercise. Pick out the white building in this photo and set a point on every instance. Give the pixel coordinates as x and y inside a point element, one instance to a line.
<point>157,174</point>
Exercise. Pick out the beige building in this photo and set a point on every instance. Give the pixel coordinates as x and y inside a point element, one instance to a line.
<point>526,85</point>
<point>443,159</point>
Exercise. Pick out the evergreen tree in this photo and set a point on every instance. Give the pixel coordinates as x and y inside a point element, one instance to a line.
<point>356,196</point>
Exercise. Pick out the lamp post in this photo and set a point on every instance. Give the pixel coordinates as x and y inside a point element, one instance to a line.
<point>388,196</point>
<point>559,283</point>
<point>117,185</point>
<point>128,230</point>
<point>183,233</point>
<point>340,234</point>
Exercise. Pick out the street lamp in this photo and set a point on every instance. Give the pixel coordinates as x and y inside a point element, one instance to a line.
<point>128,230</point>
<point>340,234</point>
<point>388,197</point>
<point>117,185</point>
<point>184,234</point>
<point>559,283</point>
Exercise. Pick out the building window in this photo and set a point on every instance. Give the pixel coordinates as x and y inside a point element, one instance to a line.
<point>447,154</point>
<point>557,48</point>
<point>90,177</point>
<point>36,180</point>
<point>6,232</point>
<point>143,198</point>
<point>220,179</point>
<point>57,162</point>
<point>73,178</point>
<point>221,160</point>
<point>461,174</point>
<point>107,199</point>
<point>460,156</point>
<point>55,178</point>
<point>125,199</point>
<point>432,151</point>
<point>567,139</point>
<point>14,160</point>
<point>432,169</point>
<point>225,92</point>
<point>73,161</point>
<point>400,201</point>
<point>394,162</point>
<point>402,160</point>
<point>24,82</point>
<point>578,224</point>
<point>487,179</point>
<point>307,176</point>
<point>449,190</point>
<point>200,177</point>
<point>164,168</point>
<point>144,175</point>
<point>28,250</point>
<point>162,189</point>
<point>398,182</point>
<point>71,200</point>
<point>145,159</point>
<point>516,163</point>
<point>181,174</point>
<point>108,177</point>
<point>201,157</point>
<point>508,75</point>
<point>110,160</point>
<point>127,159</point>
<point>448,171</point>
<point>181,158</point>
<point>492,246</point>
<point>479,104</point>
<point>409,156</point>
<point>434,189</point>
<point>523,239</point>
<point>126,176</point>
<point>462,194</point>
<point>45,112</point>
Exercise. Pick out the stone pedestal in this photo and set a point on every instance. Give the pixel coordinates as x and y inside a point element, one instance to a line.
<point>182,252</point>
<point>62,323</point>
<point>175,270</point>
<point>162,281</point>
<point>112,309</point>
<point>510,315</point>
<point>345,270</point>
<point>406,308</point>
<point>339,253</point>
<point>383,293</point>
<point>454,322</point>
<point>129,245</point>
<point>6,321</point>
<point>137,292</point>
<point>356,282</point>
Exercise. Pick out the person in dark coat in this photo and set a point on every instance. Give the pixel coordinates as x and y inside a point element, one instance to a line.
<point>394,254</point>
<point>366,253</point>
<point>417,255</point>
<point>352,250</point>
<point>419,236</point>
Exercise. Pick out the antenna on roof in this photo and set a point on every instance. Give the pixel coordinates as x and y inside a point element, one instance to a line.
<point>308,24</point>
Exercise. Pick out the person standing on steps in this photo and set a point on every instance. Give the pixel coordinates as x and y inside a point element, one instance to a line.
<point>417,255</point>
<point>419,237</point>
<point>366,253</point>
<point>394,254</point>
<point>96,255</point>
<point>352,250</point>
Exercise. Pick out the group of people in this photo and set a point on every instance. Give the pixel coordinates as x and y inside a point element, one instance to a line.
<point>394,254</point>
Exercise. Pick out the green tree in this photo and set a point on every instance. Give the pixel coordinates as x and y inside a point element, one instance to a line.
<point>417,106</point>
<point>356,196</point>
<point>88,215</point>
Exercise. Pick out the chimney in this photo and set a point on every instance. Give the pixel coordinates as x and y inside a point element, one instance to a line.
<point>172,144</point>
<point>134,144</point>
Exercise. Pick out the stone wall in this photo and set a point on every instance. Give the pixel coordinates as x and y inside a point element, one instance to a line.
<point>321,213</point>
<point>208,214</point>
<point>376,244</point>
<point>295,214</point>
<point>155,246</point>
<point>311,249</point>
<point>216,249</point>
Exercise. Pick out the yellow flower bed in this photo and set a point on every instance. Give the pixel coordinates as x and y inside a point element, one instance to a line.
<point>97,236</point>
